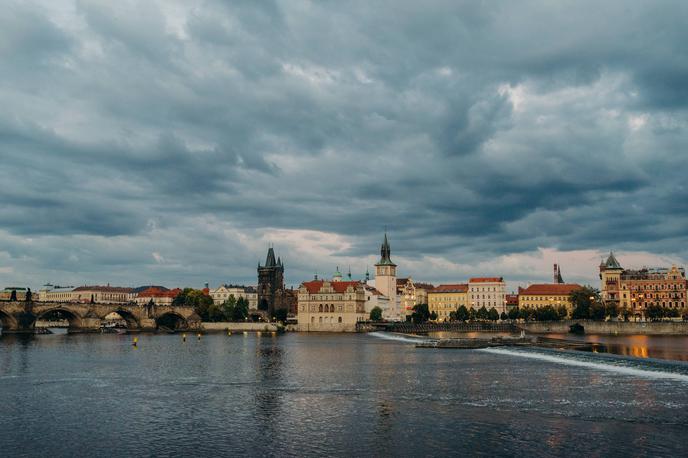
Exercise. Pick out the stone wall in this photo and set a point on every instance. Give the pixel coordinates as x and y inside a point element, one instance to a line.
<point>609,327</point>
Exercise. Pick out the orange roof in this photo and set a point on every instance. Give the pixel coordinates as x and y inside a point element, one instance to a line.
<point>552,289</point>
<point>486,279</point>
<point>157,292</point>
<point>339,286</point>
<point>455,288</point>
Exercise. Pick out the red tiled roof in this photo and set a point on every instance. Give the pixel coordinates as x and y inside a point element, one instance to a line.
<point>428,286</point>
<point>157,292</point>
<point>552,289</point>
<point>339,286</point>
<point>104,289</point>
<point>486,279</point>
<point>455,288</point>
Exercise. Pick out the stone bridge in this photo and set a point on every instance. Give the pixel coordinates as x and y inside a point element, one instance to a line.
<point>22,316</point>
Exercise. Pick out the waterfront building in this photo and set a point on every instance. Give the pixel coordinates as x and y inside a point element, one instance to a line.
<point>554,294</point>
<point>334,306</point>
<point>157,295</point>
<point>412,293</point>
<point>635,290</point>
<point>488,292</point>
<point>386,282</point>
<point>511,301</point>
<point>222,293</point>
<point>445,299</point>
<point>375,298</point>
<point>98,294</point>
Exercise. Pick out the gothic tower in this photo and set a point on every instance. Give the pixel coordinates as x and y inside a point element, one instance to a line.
<point>270,284</point>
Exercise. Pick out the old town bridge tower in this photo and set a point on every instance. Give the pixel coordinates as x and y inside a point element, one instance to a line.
<point>271,285</point>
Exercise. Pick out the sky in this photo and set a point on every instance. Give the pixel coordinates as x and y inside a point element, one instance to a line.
<point>171,142</point>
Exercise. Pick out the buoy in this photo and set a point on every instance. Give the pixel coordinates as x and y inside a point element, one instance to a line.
<point>184,337</point>
<point>136,341</point>
<point>229,333</point>
<point>245,333</point>
<point>258,333</point>
<point>199,336</point>
<point>274,333</point>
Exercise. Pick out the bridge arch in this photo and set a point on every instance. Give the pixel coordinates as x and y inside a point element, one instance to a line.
<point>131,319</point>
<point>7,321</point>
<point>74,319</point>
<point>172,321</point>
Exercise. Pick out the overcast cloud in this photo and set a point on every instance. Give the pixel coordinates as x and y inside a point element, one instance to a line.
<point>169,141</point>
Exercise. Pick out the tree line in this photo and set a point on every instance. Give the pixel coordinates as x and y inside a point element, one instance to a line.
<point>230,310</point>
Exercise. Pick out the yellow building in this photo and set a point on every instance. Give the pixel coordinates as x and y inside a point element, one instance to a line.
<point>412,293</point>
<point>446,299</point>
<point>334,306</point>
<point>554,294</point>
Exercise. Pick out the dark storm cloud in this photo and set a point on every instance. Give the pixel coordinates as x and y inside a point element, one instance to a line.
<point>472,130</point>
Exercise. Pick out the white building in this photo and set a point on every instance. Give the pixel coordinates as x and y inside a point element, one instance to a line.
<point>222,293</point>
<point>386,283</point>
<point>487,292</point>
<point>375,298</point>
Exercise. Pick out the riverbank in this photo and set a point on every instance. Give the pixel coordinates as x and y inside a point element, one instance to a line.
<point>241,327</point>
<point>608,327</point>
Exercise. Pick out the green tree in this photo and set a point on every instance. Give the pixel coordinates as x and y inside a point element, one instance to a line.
<point>195,298</point>
<point>611,309</point>
<point>420,314</point>
<point>13,295</point>
<point>433,315</point>
<point>503,316</point>
<point>493,314</point>
<point>597,311</point>
<point>228,308</point>
<point>241,310</point>
<point>215,313</point>
<point>281,315</point>
<point>462,313</point>
<point>482,313</point>
<point>513,313</point>
<point>582,300</point>
<point>562,312</point>
<point>472,314</point>
<point>546,313</point>
<point>654,312</point>
<point>376,314</point>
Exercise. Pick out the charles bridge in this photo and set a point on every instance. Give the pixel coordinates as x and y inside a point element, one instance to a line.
<point>21,317</point>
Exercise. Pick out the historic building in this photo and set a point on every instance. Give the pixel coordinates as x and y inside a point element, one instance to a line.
<point>488,292</point>
<point>334,306</point>
<point>98,294</point>
<point>375,298</point>
<point>635,290</point>
<point>445,299</point>
<point>386,281</point>
<point>271,295</point>
<point>223,292</point>
<point>157,295</point>
<point>412,293</point>
<point>554,294</point>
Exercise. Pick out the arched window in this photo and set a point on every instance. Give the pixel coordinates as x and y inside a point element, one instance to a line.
<point>312,320</point>
<point>320,309</point>
<point>340,319</point>
<point>320,320</point>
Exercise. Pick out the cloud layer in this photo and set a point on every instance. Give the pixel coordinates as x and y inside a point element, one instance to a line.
<point>170,142</point>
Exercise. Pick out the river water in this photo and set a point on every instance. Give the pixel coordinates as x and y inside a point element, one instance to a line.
<point>330,394</point>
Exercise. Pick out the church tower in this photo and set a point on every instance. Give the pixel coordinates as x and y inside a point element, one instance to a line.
<point>270,284</point>
<point>386,274</point>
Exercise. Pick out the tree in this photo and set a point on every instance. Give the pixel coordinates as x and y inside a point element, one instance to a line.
<point>13,295</point>
<point>611,309</point>
<point>433,315</point>
<point>582,300</point>
<point>482,313</point>
<point>472,314</point>
<point>597,311</point>
<point>376,314</point>
<point>546,313</point>
<point>281,315</point>
<point>420,314</point>
<point>462,313</point>
<point>493,314</point>
<point>513,313</point>
<point>654,312</point>
<point>195,298</point>
<point>562,312</point>
<point>215,313</point>
<point>503,316</point>
<point>241,310</point>
<point>228,308</point>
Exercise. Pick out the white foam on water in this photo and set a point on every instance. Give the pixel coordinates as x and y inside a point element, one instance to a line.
<point>591,365</point>
<point>397,337</point>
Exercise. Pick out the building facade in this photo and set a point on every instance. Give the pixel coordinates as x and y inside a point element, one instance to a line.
<point>412,293</point>
<point>98,294</point>
<point>445,299</point>
<point>386,281</point>
<point>334,306</point>
<point>158,296</point>
<point>223,292</point>
<point>554,294</point>
<point>635,290</point>
<point>488,292</point>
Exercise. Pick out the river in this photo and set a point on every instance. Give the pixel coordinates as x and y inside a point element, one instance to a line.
<point>330,394</point>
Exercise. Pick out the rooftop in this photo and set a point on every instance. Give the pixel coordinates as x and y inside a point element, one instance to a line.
<point>314,286</point>
<point>486,280</point>
<point>452,288</point>
<point>552,289</point>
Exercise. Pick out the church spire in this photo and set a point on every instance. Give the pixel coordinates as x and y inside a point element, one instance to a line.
<point>385,253</point>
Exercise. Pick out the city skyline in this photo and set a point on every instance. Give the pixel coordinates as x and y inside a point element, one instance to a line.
<point>170,142</point>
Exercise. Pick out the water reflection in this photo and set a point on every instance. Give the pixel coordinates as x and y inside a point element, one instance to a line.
<point>639,346</point>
